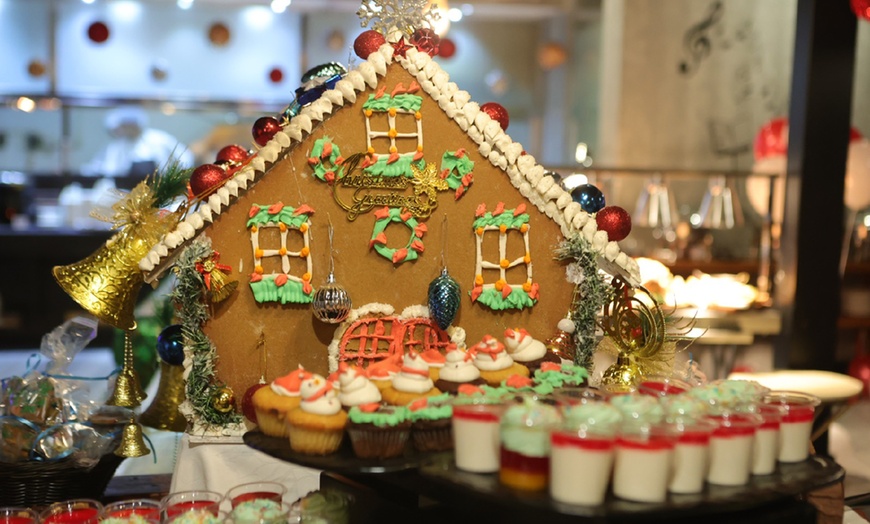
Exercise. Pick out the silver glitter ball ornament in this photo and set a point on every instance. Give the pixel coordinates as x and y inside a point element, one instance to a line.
<point>331,303</point>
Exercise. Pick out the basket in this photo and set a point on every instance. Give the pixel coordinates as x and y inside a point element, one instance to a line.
<point>37,484</point>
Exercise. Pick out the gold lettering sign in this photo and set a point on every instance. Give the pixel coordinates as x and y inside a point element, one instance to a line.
<point>377,191</point>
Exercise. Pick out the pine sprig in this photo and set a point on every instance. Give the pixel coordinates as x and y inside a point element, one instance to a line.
<point>591,292</point>
<point>169,182</point>
<point>188,296</point>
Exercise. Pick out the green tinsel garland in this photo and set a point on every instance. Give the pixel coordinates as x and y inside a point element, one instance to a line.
<point>193,312</point>
<point>590,295</point>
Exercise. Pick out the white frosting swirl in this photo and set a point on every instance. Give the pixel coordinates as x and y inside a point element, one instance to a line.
<point>414,377</point>
<point>356,389</point>
<point>458,367</point>
<point>522,347</point>
<point>318,398</point>
<point>490,355</point>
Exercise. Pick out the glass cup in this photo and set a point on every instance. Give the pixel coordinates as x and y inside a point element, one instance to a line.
<point>201,516</point>
<point>580,395</point>
<point>642,466</point>
<point>180,502</point>
<point>125,509</point>
<point>661,385</point>
<point>731,447</point>
<point>326,506</point>
<point>798,412</point>
<point>767,439</point>
<point>76,511</point>
<point>273,491</point>
<point>15,515</point>
<point>524,461</point>
<point>476,438</point>
<point>267,511</point>
<point>691,455</point>
<point>581,455</point>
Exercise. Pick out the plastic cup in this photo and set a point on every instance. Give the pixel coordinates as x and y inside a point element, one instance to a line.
<point>125,509</point>
<point>524,461</point>
<point>580,395</point>
<point>16,515</point>
<point>691,456</point>
<point>326,506</point>
<point>180,502</point>
<point>662,385</point>
<point>273,491</point>
<point>581,461</point>
<point>279,515</point>
<point>202,516</point>
<point>767,439</point>
<point>76,511</point>
<point>798,412</point>
<point>731,447</point>
<point>476,439</point>
<point>642,466</point>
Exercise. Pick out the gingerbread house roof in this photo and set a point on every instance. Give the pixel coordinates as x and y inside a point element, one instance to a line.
<point>525,174</point>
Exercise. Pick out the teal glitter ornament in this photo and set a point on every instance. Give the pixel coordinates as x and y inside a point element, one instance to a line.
<point>444,299</point>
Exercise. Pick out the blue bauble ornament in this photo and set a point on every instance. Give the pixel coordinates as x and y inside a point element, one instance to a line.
<point>444,299</point>
<point>170,345</point>
<point>590,198</point>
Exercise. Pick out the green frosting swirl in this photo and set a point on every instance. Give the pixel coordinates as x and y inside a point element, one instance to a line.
<point>385,416</point>
<point>404,101</point>
<point>639,408</point>
<point>436,408</point>
<point>570,374</point>
<point>525,428</point>
<point>597,414</point>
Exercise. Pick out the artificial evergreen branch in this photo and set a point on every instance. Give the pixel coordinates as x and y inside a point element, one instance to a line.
<point>170,182</point>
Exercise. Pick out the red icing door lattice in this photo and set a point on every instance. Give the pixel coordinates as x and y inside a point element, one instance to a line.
<point>375,338</point>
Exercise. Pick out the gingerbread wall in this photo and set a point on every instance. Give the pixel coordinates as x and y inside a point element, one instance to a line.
<point>292,334</point>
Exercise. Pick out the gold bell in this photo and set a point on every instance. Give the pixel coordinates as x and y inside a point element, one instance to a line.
<point>562,343</point>
<point>132,441</point>
<point>128,391</point>
<point>163,412</point>
<point>107,282</point>
<point>621,376</point>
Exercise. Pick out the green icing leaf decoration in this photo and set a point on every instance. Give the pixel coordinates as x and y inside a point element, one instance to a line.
<point>327,167</point>
<point>457,170</point>
<point>405,101</point>
<point>291,292</point>
<point>505,218</point>
<point>413,247</point>
<point>263,214</point>
<point>401,167</point>
<point>518,299</point>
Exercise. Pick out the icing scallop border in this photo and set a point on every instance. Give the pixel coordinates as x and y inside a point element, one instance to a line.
<point>525,174</point>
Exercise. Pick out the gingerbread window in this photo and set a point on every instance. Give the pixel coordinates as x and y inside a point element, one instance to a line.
<point>394,131</point>
<point>281,247</point>
<point>503,262</point>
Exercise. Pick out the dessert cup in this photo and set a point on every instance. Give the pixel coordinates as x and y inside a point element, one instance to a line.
<point>661,385</point>
<point>766,446</point>
<point>76,511</point>
<point>731,447</point>
<point>581,461</point>
<point>174,504</point>
<point>16,515</point>
<point>797,422</point>
<point>691,456</point>
<point>573,396</point>
<point>273,491</point>
<point>642,466</point>
<point>125,509</point>
<point>524,459</point>
<point>476,437</point>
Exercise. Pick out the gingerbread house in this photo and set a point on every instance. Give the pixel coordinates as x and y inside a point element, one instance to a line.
<point>411,177</point>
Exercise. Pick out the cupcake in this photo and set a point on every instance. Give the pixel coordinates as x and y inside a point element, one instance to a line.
<point>378,430</point>
<point>526,350</point>
<point>458,369</point>
<point>431,426</point>
<point>561,375</point>
<point>381,372</point>
<point>355,387</point>
<point>274,402</point>
<point>494,363</point>
<point>412,382</point>
<point>435,359</point>
<point>317,425</point>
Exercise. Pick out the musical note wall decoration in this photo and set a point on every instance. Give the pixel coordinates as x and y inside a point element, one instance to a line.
<point>698,42</point>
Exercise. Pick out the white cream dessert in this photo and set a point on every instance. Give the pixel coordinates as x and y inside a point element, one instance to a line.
<point>582,454</point>
<point>797,423</point>
<point>355,388</point>
<point>458,369</point>
<point>476,433</point>
<point>731,448</point>
<point>643,463</point>
<point>692,449</point>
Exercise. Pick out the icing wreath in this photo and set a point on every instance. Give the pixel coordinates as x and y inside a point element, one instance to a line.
<point>326,160</point>
<point>383,218</point>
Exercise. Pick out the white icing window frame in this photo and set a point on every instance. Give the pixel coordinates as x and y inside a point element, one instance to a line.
<point>481,264</point>
<point>391,119</point>
<point>285,258</point>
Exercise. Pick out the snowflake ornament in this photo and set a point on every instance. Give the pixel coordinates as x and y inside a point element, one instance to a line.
<point>405,16</point>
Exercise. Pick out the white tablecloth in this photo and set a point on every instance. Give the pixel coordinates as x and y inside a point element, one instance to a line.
<point>220,466</point>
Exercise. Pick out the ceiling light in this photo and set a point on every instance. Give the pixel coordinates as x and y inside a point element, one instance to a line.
<point>184,4</point>
<point>25,104</point>
<point>454,14</point>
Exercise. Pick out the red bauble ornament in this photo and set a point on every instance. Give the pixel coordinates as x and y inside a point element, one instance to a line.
<point>98,32</point>
<point>447,48</point>
<point>772,139</point>
<point>248,402</point>
<point>615,221</point>
<point>276,75</point>
<point>206,178</point>
<point>426,40</point>
<point>861,8</point>
<point>367,43</point>
<point>498,113</point>
<point>232,153</point>
<point>264,129</point>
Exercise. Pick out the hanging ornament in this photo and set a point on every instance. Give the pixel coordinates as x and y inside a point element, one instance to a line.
<point>444,299</point>
<point>427,41</point>
<point>400,47</point>
<point>367,43</point>
<point>331,303</point>
<point>276,75</point>
<point>98,32</point>
<point>219,34</point>
<point>159,71</point>
<point>170,345</point>
<point>562,343</point>
<point>214,275</point>
<point>447,48</point>
<point>205,179</point>
<point>590,198</point>
<point>264,129</point>
<point>327,70</point>
<point>248,398</point>
<point>498,113</point>
<point>232,153</point>
<point>36,68</point>
<point>385,16</point>
<point>223,400</point>
<point>615,221</point>
<point>861,8</point>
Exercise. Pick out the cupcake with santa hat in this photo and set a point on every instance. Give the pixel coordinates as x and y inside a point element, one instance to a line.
<point>458,369</point>
<point>317,425</point>
<point>355,388</point>
<point>412,382</point>
<point>527,350</point>
<point>494,362</point>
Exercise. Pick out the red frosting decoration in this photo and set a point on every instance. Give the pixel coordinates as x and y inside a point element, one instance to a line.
<point>615,221</point>
<point>518,381</point>
<point>248,402</point>
<point>264,129</point>
<point>426,40</point>
<point>98,32</point>
<point>205,179</point>
<point>433,356</point>
<point>550,366</point>
<point>468,389</point>
<point>447,48</point>
<point>861,8</point>
<point>367,43</point>
<point>498,113</point>
<point>293,380</point>
<point>232,153</point>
